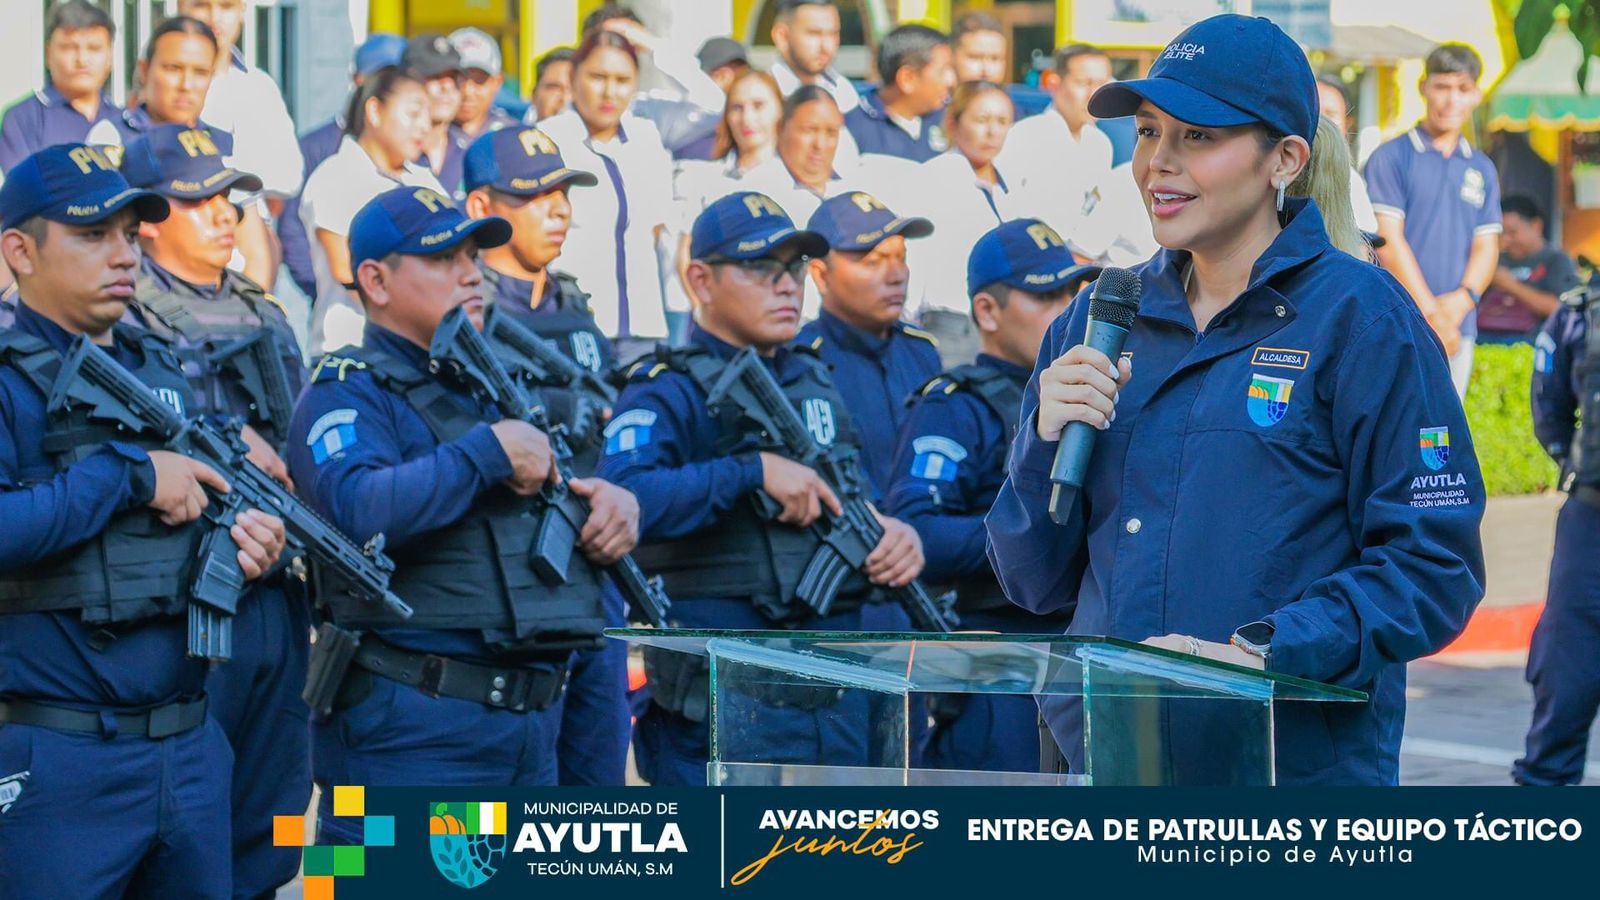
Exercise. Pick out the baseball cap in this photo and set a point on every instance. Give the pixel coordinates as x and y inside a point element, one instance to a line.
<point>429,56</point>
<point>379,51</point>
<point>1224,71</point>
<point>748,225</point>
<point>522,161</point>
<point>75,184</point>
<point>721,51</point>
<point>477,49</point>
<point>417,222</point>
<point>184,162</point>
<point>1025,254</point>
<point>857,221</point>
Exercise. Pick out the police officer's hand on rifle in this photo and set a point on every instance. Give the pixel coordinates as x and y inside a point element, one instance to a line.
<point>798,489</point>
<point>532,459</point>
<point>898,557</point>
<point>180,497</point>
<point>1078,387</point>
<point>260,537</point>
<point>266,458</point>
<point>612,529</point>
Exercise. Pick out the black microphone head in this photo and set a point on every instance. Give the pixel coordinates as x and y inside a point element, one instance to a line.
<point>1115,298</point>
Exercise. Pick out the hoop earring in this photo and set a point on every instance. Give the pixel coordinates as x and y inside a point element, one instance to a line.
<point>1281,189</point>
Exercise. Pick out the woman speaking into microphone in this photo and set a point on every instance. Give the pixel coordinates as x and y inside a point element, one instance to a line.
<point>1282,476</point>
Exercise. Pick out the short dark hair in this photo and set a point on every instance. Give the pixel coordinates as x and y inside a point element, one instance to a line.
<point>558,55</point>
<point>805,93</point>
<point>1450,59</point>
<point>380,86</point>
<point>77,15</point>
<point>973,23</point>
<point>907,46</point>
<point>179,25</point>
<point>1522,205</point>
<point>785,7</point>
<point>606,13</point>
<point>1064,57</point>
<point>999,290</point>
<point>595,40</point>
<point>35,227</point>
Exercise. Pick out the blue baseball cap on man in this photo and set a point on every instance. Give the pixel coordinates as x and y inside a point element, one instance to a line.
<point>1224,71</point>
<point>380,50</point>
<point>183,162</point>
<point>75,184</point>
<point>1025,254</point>
<point>748,225</point>
<point>856,221</point>
<point>520,161</point>
<point>417,222</point>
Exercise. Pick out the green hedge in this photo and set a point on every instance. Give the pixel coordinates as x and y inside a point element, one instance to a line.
<point>1502,423</point>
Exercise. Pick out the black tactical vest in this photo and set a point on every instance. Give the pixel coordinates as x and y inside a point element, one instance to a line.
<point>137,568</point>
<point>1587,463</point>
<point>476,573</point>
<point>198,330</point>
<point>745,555</point>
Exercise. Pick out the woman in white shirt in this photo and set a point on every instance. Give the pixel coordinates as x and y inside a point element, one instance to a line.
<point>746,137</point>
<point>619,238</point>
<point>386,125</point>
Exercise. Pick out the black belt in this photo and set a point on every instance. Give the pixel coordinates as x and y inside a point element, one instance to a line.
<point>518,690</point>
<point>163,721</point>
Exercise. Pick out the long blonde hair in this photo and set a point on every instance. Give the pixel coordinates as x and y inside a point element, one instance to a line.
<point>1326,180</point>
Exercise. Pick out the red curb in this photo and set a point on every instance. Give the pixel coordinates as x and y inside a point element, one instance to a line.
<point>1497,628</point>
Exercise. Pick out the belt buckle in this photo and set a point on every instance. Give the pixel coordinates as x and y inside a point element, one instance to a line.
<point>431,676</point>
<point>164,721</point>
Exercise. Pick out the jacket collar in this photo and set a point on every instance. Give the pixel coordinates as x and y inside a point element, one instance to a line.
<point>853,339</point>
<point>385,341</point>
<point>1005,367</point>
<point>1421,142</point>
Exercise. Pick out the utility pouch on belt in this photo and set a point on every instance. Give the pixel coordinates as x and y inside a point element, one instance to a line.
<point>331,656</point>
<point>679,682</point>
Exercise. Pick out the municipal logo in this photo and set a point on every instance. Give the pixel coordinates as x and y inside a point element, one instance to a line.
<point>468,841</point>
<point>1268,399</point>
<point>1434,443</point>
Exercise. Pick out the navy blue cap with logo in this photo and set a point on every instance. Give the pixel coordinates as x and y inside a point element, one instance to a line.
<point>1025,254</point>
<point>72,183</point>
<point>1223,71</point>
<point>417,222</point>
<point>856,221</point>
<point>183,162</point>
<point>520,161</point>
<point>748,225</point>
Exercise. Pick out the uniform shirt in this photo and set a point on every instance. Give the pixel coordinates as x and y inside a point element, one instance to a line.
<point>611,244</point>
<point>316,146</point>
<point>1054,171</point>
<point>699,183</point>
<point>1305,462</point>
<point>246,102</point>
<point>1557,384</point>
<point>334,193</point>
<point>45,118</point>
<point>844,93</point>
<point>876,130</point>
<point>1444,202</point>
<point>1549,270</point>
<point>515,295</point>
<point>365,459</point>
<point>48,656</point>
<point>947,471</point>
<point>875,375</point>
<point>962,209</point>
<point>1116,228</point>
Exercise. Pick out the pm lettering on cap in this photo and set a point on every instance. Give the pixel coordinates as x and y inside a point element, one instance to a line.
<point>761,204</point>
<point>89,158</point>
<point>866,202</point>
<point>197,143</point>
<point>430,198</point>
<point>1044,236</point>
<point>535,142</point>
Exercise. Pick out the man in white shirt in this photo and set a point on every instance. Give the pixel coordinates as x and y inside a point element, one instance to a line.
<point>806,35</point>
<point>1058,159</point>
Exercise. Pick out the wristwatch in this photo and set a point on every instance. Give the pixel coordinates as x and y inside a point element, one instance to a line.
<point>1254,639</point>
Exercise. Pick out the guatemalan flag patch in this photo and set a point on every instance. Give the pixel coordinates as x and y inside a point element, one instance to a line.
<point>937,458</point>
<point>332,434</point>
<point>629,431</point>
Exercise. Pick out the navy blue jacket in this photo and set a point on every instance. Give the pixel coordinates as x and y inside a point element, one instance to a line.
<point>875,375</point>
<point>45,118</point>
<point>363,457</point>
<point>1557,391</point>
<point>1290,465</point>
<point>875,132</point>
<point>49,656</point>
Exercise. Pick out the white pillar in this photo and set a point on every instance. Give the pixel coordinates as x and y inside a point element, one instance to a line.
<point>22,51</point>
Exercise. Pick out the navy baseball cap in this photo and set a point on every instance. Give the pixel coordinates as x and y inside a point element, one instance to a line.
<point>522,161</point>
<point>747,225</point>
<point>75,184</point>
<point>417,222</point>
<point>1224,71</point>
<point>188,163</point>
<point>857,221</point>
<point>1025,254</point>
<point>380,50</point>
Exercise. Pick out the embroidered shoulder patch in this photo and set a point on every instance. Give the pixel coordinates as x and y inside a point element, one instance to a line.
<point>937,458</point>
<point>629,431</point>
<point>331,435</point>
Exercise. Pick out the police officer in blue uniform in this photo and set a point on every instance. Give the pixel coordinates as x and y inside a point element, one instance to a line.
<point>468,690</point>
<point>877,360</point>
<point>904,117</point>
<point>518,175</point>
<point>78,53</point>
<point>1283,474</point>
<point>226,330</point>
<point>105,742</point>
<point>952,461</point>
<point>696,473</point>
<point>1561,658</point>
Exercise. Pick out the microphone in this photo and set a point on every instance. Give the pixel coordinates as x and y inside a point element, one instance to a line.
<point>1112,307</point>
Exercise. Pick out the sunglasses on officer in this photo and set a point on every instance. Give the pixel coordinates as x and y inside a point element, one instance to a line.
<point>765,268</point>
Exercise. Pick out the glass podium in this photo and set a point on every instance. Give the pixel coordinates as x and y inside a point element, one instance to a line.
<point>848,708</point>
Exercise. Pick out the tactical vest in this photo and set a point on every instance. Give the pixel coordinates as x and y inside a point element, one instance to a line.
<point>744,554</point>
<point>197,330</point>
<point>1587,444</point>
<point>571,327</point>
<point>1003,396</point>
<point>476,573</point>
<point>138,568</point>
